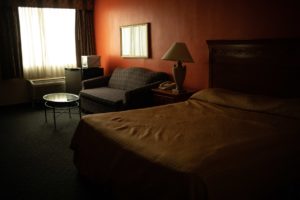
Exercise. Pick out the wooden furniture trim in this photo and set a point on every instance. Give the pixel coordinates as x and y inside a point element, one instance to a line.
<point>266,66</point>
<point>167,96</point>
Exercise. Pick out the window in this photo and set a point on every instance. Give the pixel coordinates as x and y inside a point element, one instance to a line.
<point>48,41</point>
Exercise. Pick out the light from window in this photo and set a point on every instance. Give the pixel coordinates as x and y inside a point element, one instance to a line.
<point>48,41</point>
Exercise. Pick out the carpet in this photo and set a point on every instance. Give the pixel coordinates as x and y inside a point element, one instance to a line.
<point>36,161</point>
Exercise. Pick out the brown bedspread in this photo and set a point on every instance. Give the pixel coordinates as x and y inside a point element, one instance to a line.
<point>229,146</point>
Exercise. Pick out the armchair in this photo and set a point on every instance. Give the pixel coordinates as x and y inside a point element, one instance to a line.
<point>125,89</point>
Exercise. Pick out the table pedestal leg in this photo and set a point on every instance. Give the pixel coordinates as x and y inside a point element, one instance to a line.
<point>45,109</point>
<point>79,110</point>
<point>54,118</point>
<point>70,113</point>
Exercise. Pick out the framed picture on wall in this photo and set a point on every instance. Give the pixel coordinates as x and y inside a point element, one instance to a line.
<point>135,41</point>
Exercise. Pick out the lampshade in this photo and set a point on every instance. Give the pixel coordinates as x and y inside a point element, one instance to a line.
<point>178,52</point>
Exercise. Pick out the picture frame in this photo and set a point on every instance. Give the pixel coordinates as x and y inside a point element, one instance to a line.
<point>135,40</point>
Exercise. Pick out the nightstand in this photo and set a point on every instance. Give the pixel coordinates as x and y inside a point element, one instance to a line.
<point>161,97</point>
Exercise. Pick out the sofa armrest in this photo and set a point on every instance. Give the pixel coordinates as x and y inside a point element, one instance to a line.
<point>140,97</point>
<point>100,81</point>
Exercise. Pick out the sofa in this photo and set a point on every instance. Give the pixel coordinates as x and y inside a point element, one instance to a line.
<point>126,88</point>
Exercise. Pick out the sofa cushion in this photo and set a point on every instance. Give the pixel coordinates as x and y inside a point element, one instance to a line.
<point>118,79</point>
<point>105,95</point>
<point>130,78</point>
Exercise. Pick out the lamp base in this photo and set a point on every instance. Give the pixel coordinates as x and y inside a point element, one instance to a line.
<point>179,72</point>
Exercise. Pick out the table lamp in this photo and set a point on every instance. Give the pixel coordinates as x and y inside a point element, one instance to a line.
<point>180,53</point>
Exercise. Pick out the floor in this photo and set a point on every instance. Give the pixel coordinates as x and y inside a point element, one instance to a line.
<point>36,161</point>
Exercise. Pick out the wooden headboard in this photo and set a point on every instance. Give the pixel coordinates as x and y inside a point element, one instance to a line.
<point>266,67</point>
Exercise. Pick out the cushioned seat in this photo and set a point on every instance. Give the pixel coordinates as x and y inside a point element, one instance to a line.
<point>124,89</point>
<point>107,95</point>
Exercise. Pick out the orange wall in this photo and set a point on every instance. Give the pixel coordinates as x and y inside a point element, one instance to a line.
<point>192,22</point>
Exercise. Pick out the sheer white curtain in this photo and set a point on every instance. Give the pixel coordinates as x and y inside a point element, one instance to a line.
<point>48,41</point>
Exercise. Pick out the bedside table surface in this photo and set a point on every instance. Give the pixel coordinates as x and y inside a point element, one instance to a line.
<point>161,97</point>
<point>171,93</point>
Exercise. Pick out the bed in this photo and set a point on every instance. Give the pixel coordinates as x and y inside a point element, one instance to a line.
<point>238,139</point>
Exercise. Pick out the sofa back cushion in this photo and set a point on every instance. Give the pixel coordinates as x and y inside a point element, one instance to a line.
<point>117,79</point>
<point>133,77</point>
